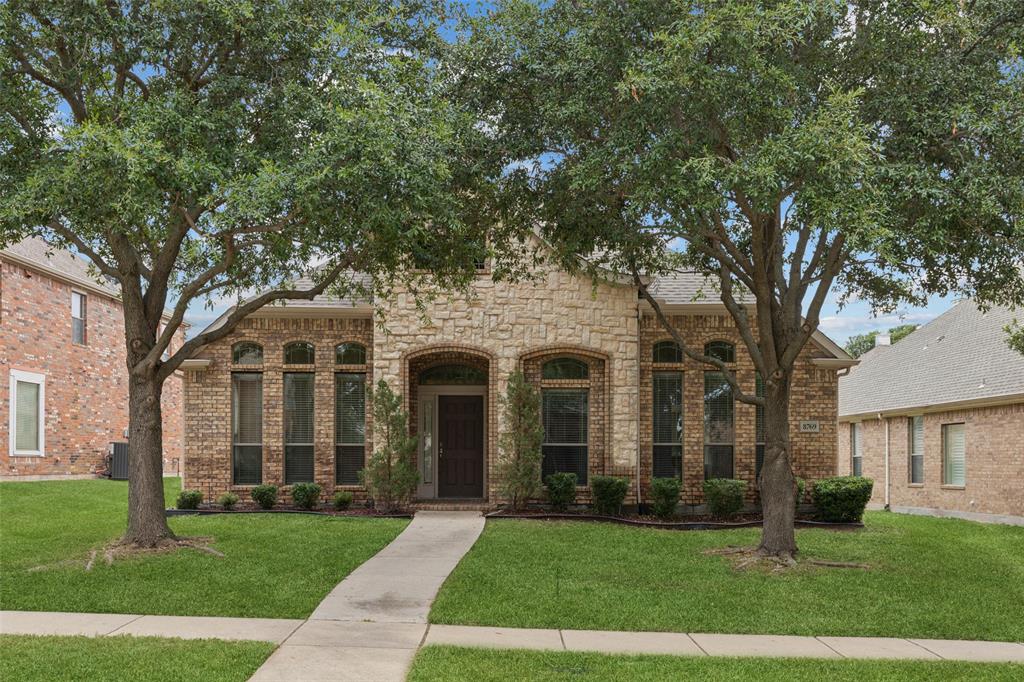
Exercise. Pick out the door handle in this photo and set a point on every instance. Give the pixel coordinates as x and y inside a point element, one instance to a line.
<point>440,451</point>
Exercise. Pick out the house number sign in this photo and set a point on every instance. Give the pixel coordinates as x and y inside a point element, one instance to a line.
<point>810,427</point>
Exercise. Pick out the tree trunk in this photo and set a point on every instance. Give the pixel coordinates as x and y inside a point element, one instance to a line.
<point>777,483</point>
<point>147,523</point>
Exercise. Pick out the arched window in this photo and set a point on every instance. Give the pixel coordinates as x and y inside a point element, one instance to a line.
<point>721,350</point>
<point>464,375</point>
<point>667,351</point>
<point>299,353</point>
<point>565,368</point>
<point>350,354</point>
<point>247,353</point>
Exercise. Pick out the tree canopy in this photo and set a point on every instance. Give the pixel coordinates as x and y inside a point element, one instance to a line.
<point>861,343</point>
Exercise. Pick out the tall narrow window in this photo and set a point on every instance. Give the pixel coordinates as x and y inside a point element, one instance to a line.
<point>298,427</point>
<point>758,427</point>
<point>719,431</point>
<point>78,308</point>
<point>954,454</point>
<point>349,427</point>
<point>915,430</point>
<point>668,425</point>
<point>27,399</point>
<point>565,414</point>
<point>247,428</point>
<point>856,455</point>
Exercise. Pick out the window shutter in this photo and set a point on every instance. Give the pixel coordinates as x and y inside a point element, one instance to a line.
<point>247,428</point>
<point>26,417</point>
<point>298,427</point>
<point>668,425</point>
<point>349,427</point>
<point>956,454</point>
<point>565,413</point>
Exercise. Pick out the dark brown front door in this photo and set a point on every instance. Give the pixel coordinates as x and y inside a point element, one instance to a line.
<point>460,425</point>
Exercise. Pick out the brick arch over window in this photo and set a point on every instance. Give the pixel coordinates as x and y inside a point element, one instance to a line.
<point>598,424</point>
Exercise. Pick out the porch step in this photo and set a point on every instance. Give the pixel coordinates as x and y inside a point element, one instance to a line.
<point>452,505</point>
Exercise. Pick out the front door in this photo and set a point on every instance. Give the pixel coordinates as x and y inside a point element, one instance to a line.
<point>460,452</point>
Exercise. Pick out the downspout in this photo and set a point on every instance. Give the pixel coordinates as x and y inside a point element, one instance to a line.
<point>886,461</point>
<point>639,416</point>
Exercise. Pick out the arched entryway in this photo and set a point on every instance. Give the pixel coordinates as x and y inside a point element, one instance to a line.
<point>448,404</point>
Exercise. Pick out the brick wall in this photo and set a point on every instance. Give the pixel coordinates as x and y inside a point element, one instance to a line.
<point>86,387</point>
<point>208,400</point>
<point>814,397</point>
<point>994,461</point>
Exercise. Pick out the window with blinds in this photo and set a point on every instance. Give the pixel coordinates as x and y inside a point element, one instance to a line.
<point>915,434</point>
<point>247,428</point>
<point>954,454</point>
<point>719,431</point>
<point>27,391</point>
<point>856,455</point>
<point>668,425</point>
<point>298,427</point>
<point>565,413</point>
<point>78,306</point>
<point>349,427</point>
<point>758,426</point>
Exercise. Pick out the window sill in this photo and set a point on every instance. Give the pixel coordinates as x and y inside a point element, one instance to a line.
<point>27,454</point>
<point>953,487</point>
<point>915,485</point>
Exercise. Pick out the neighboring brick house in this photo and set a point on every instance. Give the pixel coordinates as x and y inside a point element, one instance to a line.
<point>64,385</point>
<point>945,408</point>
<point>281,400</point>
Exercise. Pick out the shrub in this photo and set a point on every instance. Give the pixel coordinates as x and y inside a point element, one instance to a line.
<point>608,492</point>
<point>228,500</point>
<point>189,499</point>
<point>520,445</point>
<point>306,495</point>
<point>390,476</point>
<point>561,490</point>
<point>801,485</point>
<point>665,497</point>
<point>842,498</point>
<point>265,495</point>
<point>724,496</point>
<point>342,500</point>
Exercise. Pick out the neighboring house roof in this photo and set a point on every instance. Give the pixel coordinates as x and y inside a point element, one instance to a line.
<point>959,357</point>
<point>35,253</point>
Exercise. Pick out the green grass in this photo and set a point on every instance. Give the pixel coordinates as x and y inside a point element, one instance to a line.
<point>940,578</point>
<point>275,566</point>
<point>56,659</point>
<point>438,663</point>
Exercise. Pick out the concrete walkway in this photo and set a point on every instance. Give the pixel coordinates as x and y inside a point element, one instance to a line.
<point>370,626</point>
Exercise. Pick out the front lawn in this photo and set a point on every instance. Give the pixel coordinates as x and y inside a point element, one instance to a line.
<point>274,566</point>
<point>59,659</point>
<point>934,578</point>
<point>451,664</point>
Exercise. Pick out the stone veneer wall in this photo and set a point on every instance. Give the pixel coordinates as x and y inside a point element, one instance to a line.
<point>86,389</point>
<point>208,400</point>
<point>994,466</point>
<point>506,322</point>
<point>814,398</point>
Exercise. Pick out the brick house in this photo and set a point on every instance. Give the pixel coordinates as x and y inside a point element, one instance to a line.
<point>937,420</point>
<point>64,387</point>
<point>282,399</point>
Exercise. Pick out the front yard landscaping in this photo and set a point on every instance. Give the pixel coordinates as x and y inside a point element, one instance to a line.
<point>60,659</point>
<point>933,578</point>
<point>273,566</point>
<point>437,663</point>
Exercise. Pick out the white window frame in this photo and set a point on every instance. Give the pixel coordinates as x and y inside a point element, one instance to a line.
<point>30,378</point>
<point>856,450</point>
<point>84,318</point>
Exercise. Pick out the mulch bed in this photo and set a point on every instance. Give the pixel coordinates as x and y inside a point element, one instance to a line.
<point>287,509</point>
<point>694,522</point>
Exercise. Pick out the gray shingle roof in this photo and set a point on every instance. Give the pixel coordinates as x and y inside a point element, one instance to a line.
<point>67,264</point>
<point>959,356</point>
<point>685,287</point>
<point>325,299</point>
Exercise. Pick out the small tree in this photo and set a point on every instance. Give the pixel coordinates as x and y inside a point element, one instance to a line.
<point>520,444</point>
<point>860,344</point>
<point>390,476</point>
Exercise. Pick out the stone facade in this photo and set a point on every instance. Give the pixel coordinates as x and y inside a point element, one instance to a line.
<point>497,328</point>
<point>994,481</point>
<point>86,386</point>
